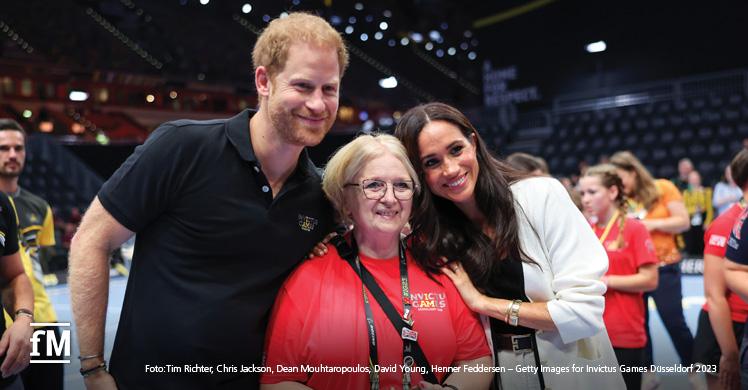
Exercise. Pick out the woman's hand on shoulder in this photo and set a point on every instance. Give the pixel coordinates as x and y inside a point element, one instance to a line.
<point>472,297</point>
<point>320,249</point>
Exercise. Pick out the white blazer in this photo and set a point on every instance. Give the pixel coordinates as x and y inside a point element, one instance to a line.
<point>570,262</point>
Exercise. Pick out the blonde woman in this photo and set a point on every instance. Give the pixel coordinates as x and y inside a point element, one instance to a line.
<point>632,266</point>
<point>659,206</point>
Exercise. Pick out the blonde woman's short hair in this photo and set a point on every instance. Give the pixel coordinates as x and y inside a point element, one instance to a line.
<point>346,163</point>
<point>271,49</point>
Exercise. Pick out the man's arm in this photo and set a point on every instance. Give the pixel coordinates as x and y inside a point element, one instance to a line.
<point>98,235</point>
<point>15,345</point>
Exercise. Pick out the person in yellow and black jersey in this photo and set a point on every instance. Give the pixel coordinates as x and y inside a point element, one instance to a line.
<point>17,298</point>
<point>36,230</point>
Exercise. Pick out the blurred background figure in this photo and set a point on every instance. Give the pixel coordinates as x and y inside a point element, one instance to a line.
<point>726,192</point>
<point>685,167</point>
<point>698,201</point>
<point>528,163</point>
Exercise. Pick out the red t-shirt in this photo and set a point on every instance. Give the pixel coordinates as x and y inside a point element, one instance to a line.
<point>715,243</point>
<point>319,319</point>
<point>624,311</point>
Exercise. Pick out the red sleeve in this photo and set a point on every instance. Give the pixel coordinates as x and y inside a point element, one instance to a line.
<point>471,338</point>
<point>715,238</point>
<point>642,246</point>
<point>283,340</point>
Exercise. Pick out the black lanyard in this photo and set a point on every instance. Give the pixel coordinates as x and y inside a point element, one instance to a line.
<point>408,335</point>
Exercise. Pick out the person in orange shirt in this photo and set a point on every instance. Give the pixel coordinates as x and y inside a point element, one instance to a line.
<point>659,206</point>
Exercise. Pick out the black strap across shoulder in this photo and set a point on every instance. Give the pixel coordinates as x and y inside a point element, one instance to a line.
<point>350,254</point>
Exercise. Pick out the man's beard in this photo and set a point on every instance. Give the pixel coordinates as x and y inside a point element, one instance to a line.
<point>293,132</point>
<point>9,175</point>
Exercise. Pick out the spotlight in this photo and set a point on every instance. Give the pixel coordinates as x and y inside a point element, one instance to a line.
<point>78,96</point>
<point>47,126</point>
<point>596,47</point>
<point>388,83</point>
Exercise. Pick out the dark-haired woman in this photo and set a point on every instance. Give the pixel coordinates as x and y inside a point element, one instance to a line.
<point>519,251</point>
<point>632,269</point>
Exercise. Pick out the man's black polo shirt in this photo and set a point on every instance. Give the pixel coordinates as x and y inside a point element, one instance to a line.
<point>8,246</point>
<point>212,249</point>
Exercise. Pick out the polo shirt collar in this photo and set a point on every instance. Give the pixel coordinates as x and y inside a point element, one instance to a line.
<point>237,131</point>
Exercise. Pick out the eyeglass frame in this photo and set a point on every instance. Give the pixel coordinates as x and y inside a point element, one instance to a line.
<point>387,184</point>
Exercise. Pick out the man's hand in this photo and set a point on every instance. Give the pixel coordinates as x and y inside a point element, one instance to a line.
<point>16,346</point>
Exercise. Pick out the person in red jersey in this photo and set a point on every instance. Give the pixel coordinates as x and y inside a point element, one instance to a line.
<point>632,269</point>
<point>328,331</point>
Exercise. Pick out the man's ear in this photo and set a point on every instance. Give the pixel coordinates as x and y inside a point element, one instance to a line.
<point>262,81</point>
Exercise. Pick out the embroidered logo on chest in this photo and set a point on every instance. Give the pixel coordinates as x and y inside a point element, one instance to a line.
<point>429,301</point>
<point>306,223</point>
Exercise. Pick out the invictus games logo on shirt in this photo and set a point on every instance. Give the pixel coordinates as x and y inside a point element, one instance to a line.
<point>306,223</point>
<point>429,301</point>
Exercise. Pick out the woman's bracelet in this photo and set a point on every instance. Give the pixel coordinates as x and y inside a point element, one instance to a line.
<point>90,371</point>
<point>513,313</point>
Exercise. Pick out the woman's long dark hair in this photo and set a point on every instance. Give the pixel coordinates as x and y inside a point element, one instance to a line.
<point>441,228</point>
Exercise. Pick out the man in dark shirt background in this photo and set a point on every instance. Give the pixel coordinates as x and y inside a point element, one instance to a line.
<point>223,210</point>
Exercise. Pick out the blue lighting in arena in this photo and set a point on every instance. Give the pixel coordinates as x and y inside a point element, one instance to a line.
<point>363,115</point>
<point>335,20</point>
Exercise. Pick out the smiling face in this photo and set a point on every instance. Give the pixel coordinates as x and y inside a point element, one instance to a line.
<point>302,99</point>
<point>597,200</point>
<point>384,217</point>
<point>449,162</point>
